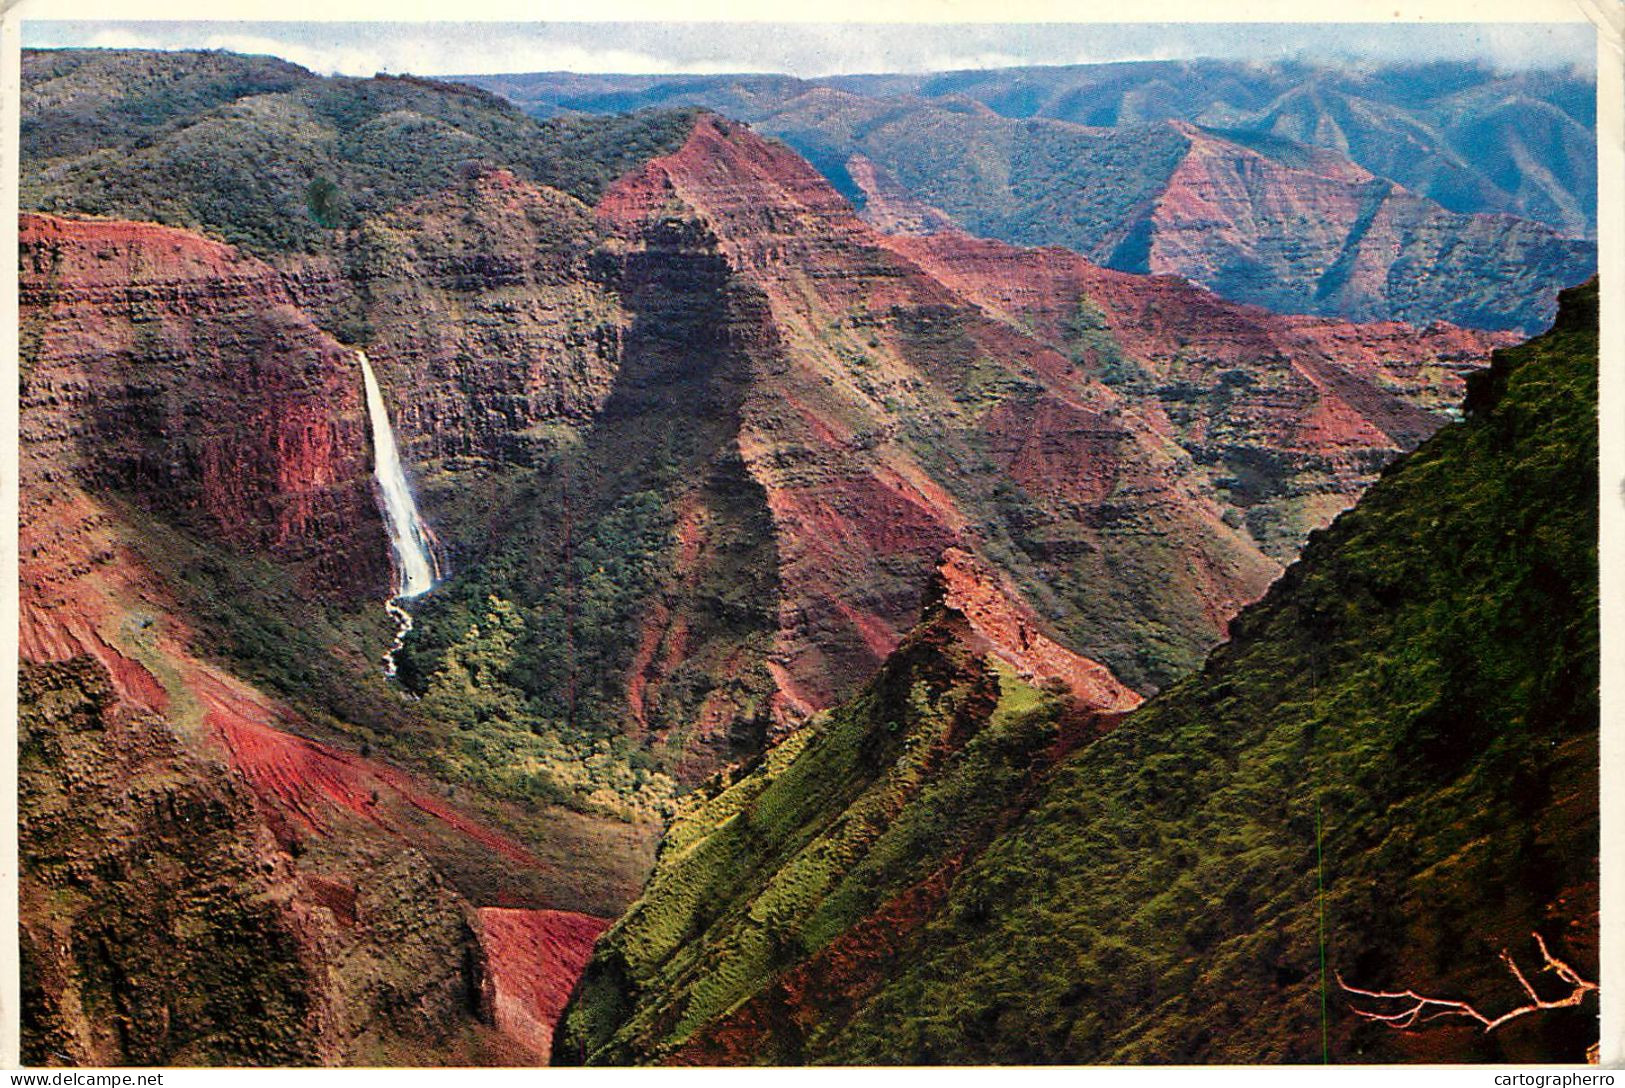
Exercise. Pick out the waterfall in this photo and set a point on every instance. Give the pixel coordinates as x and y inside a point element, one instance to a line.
<point>408,538</point>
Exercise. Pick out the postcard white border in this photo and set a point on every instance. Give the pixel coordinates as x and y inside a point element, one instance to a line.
<point>1607,15</point>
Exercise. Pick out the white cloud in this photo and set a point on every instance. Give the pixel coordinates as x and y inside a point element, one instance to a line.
<point>808,50</point>
<point>551,57</point>
<point>410,50</point>
<point>328,61</point>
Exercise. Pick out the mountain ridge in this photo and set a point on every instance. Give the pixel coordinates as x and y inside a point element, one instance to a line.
<point>1151,194</point>
<point>1415,702</point>
<point>1417,123</point>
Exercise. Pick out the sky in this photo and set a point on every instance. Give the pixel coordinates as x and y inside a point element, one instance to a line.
<point>814,49</point>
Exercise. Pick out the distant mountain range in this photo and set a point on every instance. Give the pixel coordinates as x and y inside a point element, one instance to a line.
<point>1467,137</point>
<point>1444,192</point>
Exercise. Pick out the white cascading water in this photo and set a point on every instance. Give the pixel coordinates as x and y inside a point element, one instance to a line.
<point>414,562</point>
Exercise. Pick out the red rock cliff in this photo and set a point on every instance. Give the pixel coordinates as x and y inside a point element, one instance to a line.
<point>908,394</point>
<point>1292,414</point>
<point>174,369</point>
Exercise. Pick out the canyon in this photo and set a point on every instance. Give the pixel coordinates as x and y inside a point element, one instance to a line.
<point>337,890</point>
<point>697,475</point>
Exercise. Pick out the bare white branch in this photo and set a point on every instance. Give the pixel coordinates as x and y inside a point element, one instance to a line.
<point>1421,1009</point>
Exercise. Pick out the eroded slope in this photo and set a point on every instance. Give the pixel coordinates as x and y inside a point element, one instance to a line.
<point>1408,721</point>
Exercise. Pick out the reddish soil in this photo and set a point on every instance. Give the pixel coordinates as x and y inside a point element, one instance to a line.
<point>532,961</point>
<point>1342,378</point>
<point>74,573</point>
<point>1057,451</point>
<point>313,783</point>
<point>663,637</point>
<point>1014,632</point>
<point>46,634</point>
<point>337,896</point>
<point>1324,235</point>
<point>84,592</point>
<point>865,348</point>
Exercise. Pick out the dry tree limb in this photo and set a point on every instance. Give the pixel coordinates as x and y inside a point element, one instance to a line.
<point>1417,1011</point>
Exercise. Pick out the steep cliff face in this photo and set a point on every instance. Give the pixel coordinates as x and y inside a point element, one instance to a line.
<point>1092,433</point>
<point>1323,236</point>
<point>698,683</point>
<point>206,881</point>
<point>1408,721</point>
<point>111,925</point>
<point>714,438</point>
<point>999,621</point>
<point>1291,227</point>
<point>635,547</point>
<point>1472,137</point>
<point>872,417</point>
<point>1374,810</point>
<point>176,370</point>
<point>477,306</point>
<point>532,959</point>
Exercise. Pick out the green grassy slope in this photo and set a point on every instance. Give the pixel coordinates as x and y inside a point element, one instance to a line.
<point>266,155</point>
<point>1426,679</point>
<point>1408,719</point>
<point>765,869</point>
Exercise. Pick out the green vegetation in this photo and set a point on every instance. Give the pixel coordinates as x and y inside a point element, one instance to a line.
<point>250,616</point>
<point>472,730</point>
<point>1120,576</point>
<point>1411,712</point>
<point>1089,342</point>
<point>265,155</point>
<point>505,742</point>
<point>149,936</point>
<point>762,870</point>
<point>593,554</point>
<point>550,616</point>
<point>538,633</point>
<point>1426,673</point>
